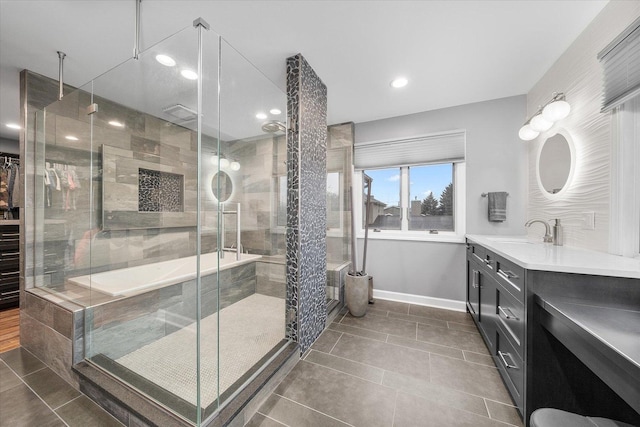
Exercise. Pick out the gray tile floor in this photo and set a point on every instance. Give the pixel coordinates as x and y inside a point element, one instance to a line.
<point>31,394</point>
<point>399,365</point>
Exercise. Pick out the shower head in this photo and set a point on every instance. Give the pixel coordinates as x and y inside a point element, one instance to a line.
<point>273,126</point>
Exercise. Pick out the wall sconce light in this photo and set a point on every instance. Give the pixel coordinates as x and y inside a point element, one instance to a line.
<point>223,163</point>
<point>556,109</point>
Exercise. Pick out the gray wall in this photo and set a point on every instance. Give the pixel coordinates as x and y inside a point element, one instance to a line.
<point>9,146</point>
<point>496,160</point>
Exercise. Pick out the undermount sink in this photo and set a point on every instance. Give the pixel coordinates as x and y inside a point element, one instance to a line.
<point>507,239</point>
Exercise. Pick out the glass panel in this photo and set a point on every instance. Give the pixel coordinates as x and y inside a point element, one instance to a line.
<point>251,291</point>
<point>280,194</point>
<point>335,201</point>
<point>339,154</point>
<point>140,220</point>
<point>431,192</point>
<point>116,185</point>
<point>63,195</point>
<point>384,211</point>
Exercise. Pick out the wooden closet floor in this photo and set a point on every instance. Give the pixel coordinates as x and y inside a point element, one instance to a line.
<point>9,329</point>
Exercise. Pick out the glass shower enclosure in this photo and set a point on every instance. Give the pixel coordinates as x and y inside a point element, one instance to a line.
<point>154,187</point>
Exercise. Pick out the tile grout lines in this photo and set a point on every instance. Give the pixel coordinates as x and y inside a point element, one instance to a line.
<point>36,394</point>
<point>413,348</point>
<point>348,373</point>
<point>312,409</point>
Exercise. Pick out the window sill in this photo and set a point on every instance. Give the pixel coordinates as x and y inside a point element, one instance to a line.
<point>414,237</point>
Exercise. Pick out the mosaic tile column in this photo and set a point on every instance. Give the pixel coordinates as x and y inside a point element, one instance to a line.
<point>306,203</point>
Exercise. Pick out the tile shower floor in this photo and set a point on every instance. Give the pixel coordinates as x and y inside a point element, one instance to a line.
<point>248,330</point>
<point>399,365</point>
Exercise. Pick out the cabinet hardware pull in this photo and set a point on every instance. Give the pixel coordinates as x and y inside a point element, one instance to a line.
<point>6,294</point>
<point>10,253</point>
<point>13,273</point>
<point>507,274</point>
<point>506,364</point>
<point>476,279</point>
<point>11,235</point>
<point>508,314</point>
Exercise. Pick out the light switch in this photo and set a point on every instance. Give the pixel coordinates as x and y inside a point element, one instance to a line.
<point>588,220</point>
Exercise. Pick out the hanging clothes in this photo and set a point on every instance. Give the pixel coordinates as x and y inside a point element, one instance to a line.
<point>4,189</point>
<point>14,186</point>
<point>74,185</point>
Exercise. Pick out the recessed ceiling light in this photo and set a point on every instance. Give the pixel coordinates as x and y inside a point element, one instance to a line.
<point>261,116</point>
<point>166,60</point>
<point>71,138</point>
<point>13,126</point>
<point>399,82</point>
<point>188,74</point>
<point>116,124</point>
<point>275,111</point>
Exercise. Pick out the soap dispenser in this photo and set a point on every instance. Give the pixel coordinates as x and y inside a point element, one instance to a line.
<point>557,233</point>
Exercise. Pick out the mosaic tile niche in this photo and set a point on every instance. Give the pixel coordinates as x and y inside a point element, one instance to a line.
<point>160,191</point>
<point>306,203</point>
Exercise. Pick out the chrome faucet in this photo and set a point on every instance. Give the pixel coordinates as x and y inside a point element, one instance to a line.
<point>548,238</point>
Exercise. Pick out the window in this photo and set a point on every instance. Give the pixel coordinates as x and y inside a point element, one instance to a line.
<point>625,181</point>
<point>423,202</point>
<point>431,194</point>
<point>620,62</point>
<point>384,208</point>
<point>418,189</point>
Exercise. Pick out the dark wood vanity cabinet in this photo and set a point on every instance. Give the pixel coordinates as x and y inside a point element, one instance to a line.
<point>9,266</point>
<point>495,300</point>
<point>559,339</point>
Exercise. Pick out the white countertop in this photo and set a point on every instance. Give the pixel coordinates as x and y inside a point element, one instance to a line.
<point>534,255</point>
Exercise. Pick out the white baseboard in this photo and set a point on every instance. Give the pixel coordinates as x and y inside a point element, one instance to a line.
<point>448,304</point>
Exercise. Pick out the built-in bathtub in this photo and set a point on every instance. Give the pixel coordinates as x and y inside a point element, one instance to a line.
<point>134,280</point>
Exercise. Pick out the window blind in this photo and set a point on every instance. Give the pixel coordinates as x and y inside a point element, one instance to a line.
<point>621,67</point>
<point>446,147</point>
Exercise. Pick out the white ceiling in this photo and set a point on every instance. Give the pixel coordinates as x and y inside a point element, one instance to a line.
<point>452,52</point>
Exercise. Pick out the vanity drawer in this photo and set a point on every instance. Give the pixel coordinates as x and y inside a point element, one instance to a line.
<point>12,276</point>
<point>476,252</point>
<point>9,264</point>
<point>511,276</point>
<point>510,314</point>
<point>9,245</point>
<point>510,366</point>
<point>9,231</point>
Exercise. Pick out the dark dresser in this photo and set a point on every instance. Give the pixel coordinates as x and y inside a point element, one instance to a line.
<point>9,264</point>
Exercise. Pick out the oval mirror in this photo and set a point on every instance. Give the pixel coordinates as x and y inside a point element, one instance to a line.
<point>223,189</point>
<point>555,163</point>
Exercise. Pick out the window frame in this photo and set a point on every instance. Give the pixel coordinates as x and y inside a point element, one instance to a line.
<point>459,189</point>
<point>624,223</point>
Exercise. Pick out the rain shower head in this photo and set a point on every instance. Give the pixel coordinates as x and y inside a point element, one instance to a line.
<point>273,126</point>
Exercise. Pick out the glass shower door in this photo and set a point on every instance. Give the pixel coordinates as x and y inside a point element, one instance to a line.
<point>145,266</point>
